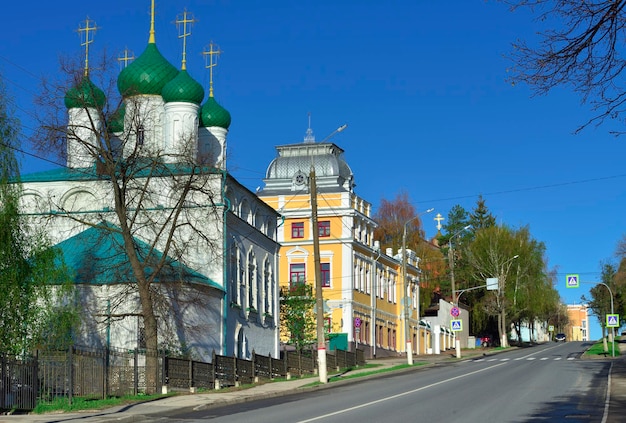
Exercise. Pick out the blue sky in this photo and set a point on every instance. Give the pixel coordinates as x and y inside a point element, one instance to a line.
<point>421,84</point>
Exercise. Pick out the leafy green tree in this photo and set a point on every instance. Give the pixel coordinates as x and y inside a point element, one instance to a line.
<point>600,301</point>
<point>34,311</point>
<point>518,261</point>
<point>298,321</point>
<point>481,217</point>
<point>456,235</point>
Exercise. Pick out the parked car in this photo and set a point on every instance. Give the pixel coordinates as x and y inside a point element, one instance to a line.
<point>560,337</point>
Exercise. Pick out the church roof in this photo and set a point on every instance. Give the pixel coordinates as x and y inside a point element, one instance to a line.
<point>212,114</point>
<point>146,75</point>
<point>97,257</point>
<point>85,94</point>
<point>184,89</point>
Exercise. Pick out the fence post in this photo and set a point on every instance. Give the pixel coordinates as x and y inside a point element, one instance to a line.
<point>286,365</point>
<point>3,379</point>
<point>254,378</point>
<point>164,375</point>
<point>36,378</point>
<point>190,371</point>
<point>107,366</point>
<point>135,371</point>
<point>236,372</point>
<point>71,374</point>
<point>216,384</point>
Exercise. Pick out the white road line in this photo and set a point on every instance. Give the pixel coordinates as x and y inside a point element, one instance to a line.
<point>367,404</point>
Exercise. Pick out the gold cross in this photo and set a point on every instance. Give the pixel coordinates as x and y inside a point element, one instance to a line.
<point>126,58</point>
<point>89,32</point>
<point>210,62</point>
<point>438,218</point>
<point>184,24</point>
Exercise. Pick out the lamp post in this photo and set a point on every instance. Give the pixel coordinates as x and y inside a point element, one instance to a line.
<point>407,337</point>
<point>373,283</point>
<point>502,316</point>
<point>612,312</point>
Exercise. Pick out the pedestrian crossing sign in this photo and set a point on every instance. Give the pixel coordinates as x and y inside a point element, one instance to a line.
<point>572,281</point>
<point>456,325</point>
<point>612,320</point>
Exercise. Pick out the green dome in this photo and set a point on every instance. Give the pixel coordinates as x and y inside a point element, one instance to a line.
<point>212,114</point>
<point>146,75</point>
<point>183,88</point>
<point>85,94</point>
<point>116,120</point>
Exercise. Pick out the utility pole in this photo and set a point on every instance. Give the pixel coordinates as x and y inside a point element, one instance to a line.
<point>319,299</point>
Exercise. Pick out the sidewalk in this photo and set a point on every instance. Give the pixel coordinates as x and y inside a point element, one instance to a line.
<point>141,411</point>
<point>136,412</point>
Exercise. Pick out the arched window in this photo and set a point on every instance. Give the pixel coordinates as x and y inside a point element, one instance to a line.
<point>268,297</point>
<point>233,276</point>
<point>252,281</point>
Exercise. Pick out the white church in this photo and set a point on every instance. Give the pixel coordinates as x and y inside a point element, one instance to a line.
<point>206,243</point>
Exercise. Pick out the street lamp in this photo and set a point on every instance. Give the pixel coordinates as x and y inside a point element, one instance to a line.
<point>612,312</point>
<point>502,316</point>
<point>407,338</point>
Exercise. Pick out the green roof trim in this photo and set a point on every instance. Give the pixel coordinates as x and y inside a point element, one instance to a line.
<point>150,169</point>
<point>97,257</point>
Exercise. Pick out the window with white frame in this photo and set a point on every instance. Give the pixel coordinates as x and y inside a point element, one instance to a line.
<point>297,274</point>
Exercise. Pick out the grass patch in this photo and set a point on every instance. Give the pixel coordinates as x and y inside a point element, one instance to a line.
<point>598,349</point>
<point>62,404</point>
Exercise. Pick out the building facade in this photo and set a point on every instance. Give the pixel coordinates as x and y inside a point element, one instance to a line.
<point>213,241</point>
<point>363,287</point>
<point>578,326</point>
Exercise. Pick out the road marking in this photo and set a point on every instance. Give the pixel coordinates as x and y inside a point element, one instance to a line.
<point>544,358</point>
<point>367,404</point>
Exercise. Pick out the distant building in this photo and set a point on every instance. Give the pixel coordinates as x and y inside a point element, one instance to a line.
<point>578,327</point>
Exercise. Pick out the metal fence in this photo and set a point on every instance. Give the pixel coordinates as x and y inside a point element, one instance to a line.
<point>101,373</point>
<point>225,371</point>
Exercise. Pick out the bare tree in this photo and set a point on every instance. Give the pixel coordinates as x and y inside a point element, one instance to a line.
<point>158,203</point>
<point>580,48</point>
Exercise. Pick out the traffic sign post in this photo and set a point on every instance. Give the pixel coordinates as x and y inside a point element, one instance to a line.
<point>572,281</point>
<point>612,321</point>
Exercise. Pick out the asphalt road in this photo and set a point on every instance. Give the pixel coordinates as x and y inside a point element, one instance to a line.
<point>544,383</point>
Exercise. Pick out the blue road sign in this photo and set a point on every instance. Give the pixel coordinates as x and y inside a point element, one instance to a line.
<point>612,320</point>
<point>456,325</point>
<point>572,281</point>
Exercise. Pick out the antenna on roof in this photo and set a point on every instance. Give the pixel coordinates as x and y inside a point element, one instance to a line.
<point>309,137</point>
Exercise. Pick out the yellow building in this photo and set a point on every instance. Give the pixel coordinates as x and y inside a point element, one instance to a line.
<point>578,326</point>
<point>362,286</point>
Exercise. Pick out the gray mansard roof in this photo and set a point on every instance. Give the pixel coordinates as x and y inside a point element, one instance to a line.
<point>290,170</point>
